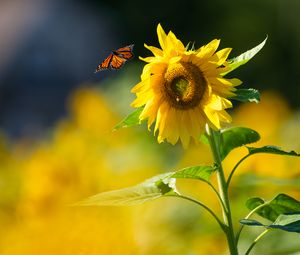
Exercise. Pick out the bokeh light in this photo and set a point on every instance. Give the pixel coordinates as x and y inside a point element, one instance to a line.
<point>57,145</point>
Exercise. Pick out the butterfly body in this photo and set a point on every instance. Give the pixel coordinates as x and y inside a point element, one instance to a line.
<point>116,59</point>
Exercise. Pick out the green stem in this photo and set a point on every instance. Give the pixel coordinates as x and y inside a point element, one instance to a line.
<point>205,207</point>
<point>246,218</point>
<point>218,195</point>
<point>256,240</point>
<point>235,167</point>
<point>214,140</point>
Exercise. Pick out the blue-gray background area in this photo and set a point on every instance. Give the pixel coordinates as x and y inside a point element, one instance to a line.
<point>50,47</point>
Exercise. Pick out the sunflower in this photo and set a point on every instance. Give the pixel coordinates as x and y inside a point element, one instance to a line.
<point>183,89</point>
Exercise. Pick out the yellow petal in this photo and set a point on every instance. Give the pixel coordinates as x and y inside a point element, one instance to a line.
<point>185,118</point>
<point>222,55</point>
<point>176,44</point>
<point>222,82</point>
<point>198,121</point>
<point>162,37</point>
<point>146,71</point>
<point>214,71</point>
<point>188,57</point>
<point>156,83</point>
<point>206,66</point>
<point>198,61</point>
<point>150,121</point>
<point>161,116</point>
<point>154,68</point>
<point>219,103</point>
<point>150,110</point>
<point>226,103</point>
<point>152,117</point>
<point>224,116</point>
<point>174,60</point>
<point>138,102</point>
<point>194,122</point>
<point>224,69</point>
<point>183,130</point>
<point>212,117</point>
<point>143,96</point>
<point>207,94</point>
<point>224,92</point>
<point>172,133</point>
<point>213,45</point>
<point>165,131</point>
<point>215,103</point>
<point>139,86</point>
<point>156,51</point>
<point>235,81</point>
<point>148,59</point>
<point>220,89</point>
<point>209,49</point>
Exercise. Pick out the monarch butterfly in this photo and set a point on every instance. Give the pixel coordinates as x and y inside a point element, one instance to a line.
<point>116,58</point>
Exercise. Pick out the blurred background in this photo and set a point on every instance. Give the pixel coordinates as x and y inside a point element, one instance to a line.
<point>56,115</point>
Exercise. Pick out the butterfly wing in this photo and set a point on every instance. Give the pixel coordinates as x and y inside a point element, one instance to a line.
<point>105,64</point>
<point>117,62</point>
<point>116,59</point>
<point>125,52</point>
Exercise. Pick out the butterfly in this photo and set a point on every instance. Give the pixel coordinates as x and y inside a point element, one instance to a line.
<point>116,59</point>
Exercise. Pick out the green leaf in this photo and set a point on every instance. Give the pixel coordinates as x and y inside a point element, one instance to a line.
<point>247,95</point>
<point>250,222</point>
<point>281,204</point>
<point>254,202</point>
<point>236,137</point>
<point>195,172</point>
<point>244,57</point>
<point>272,150</point>
<point>158,186</point>
<point>149,190</point>
<point>286,222</point>
<point>131,120</point>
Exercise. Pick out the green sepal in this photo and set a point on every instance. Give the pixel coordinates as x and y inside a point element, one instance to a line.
<point>235,137</point>
<point>130,120</point>
<point>190,46</point>
<point>281,204</point>
<point>272,150</point>
<point>242,59</point>
<point>286,222</point>
<point>166,188</point>
<point>204,139</point>
<point>247,95</point>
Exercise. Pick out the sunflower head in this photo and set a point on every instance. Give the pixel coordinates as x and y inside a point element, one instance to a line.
<point>183,89</point>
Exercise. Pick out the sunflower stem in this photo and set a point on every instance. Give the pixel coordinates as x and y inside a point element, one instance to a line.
<point>247,217</point>
<point>235,167</point>
<point>256,240</point>
<point>214,141</point>
<point>203,206</point>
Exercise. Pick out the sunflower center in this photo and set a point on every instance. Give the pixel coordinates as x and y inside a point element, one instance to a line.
<point>184,85</point>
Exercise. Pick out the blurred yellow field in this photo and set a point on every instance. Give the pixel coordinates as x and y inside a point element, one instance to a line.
<point>81,156</point>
